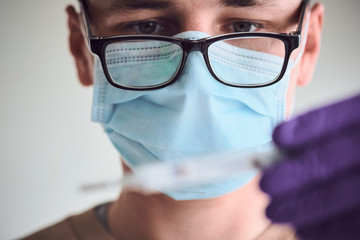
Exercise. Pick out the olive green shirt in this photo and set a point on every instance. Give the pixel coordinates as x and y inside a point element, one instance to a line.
<point>86,226</point>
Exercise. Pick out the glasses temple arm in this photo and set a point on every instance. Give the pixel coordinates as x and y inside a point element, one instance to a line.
<point>86,19</point>
<point>304,5</point>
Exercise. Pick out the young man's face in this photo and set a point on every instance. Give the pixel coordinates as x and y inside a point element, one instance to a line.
<point>213,17</point>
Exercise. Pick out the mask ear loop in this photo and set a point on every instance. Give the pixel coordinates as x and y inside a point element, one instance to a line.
<point>297,59</point>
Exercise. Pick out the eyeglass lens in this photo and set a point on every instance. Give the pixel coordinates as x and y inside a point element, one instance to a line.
<point>247,61</point>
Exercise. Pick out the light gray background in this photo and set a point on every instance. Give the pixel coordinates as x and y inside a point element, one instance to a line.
<point>49,147</point>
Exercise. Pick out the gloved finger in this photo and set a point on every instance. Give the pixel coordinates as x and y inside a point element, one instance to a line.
<point>317,163</point>
<point>346,227</point>
<point>327,199</point>
<point>318,124</point>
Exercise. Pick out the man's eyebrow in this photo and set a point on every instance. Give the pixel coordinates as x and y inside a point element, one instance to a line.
<point>243,3</point>
<point>141,4</point>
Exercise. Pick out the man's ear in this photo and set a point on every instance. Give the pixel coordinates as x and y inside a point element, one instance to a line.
<point>312,47</point>
<point>84,60</point>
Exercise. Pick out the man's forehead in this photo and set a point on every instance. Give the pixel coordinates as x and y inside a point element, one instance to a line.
<point>168,4</point>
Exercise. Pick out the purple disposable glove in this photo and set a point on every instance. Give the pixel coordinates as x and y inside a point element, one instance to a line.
<point>316,188</point>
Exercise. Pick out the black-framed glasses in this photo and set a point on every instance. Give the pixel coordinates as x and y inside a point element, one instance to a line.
<point>147,62</point>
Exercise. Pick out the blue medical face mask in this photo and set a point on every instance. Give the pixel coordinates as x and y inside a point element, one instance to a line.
<point>195,115</point>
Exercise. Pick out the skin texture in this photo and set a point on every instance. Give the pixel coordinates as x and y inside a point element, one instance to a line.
<point>238,215</point>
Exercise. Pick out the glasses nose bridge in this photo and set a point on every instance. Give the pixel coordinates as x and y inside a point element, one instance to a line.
<point>194,45</point>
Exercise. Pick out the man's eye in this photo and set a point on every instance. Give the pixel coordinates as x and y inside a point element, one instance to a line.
<point>147,27</point>
<point>245,26</point>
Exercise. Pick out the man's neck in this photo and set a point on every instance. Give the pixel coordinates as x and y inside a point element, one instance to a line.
<point>237,215</point>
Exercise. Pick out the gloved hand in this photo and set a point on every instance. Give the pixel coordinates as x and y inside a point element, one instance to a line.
<point>316,188</point>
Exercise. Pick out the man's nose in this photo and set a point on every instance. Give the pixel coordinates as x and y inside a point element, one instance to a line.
<point>200,22</point>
